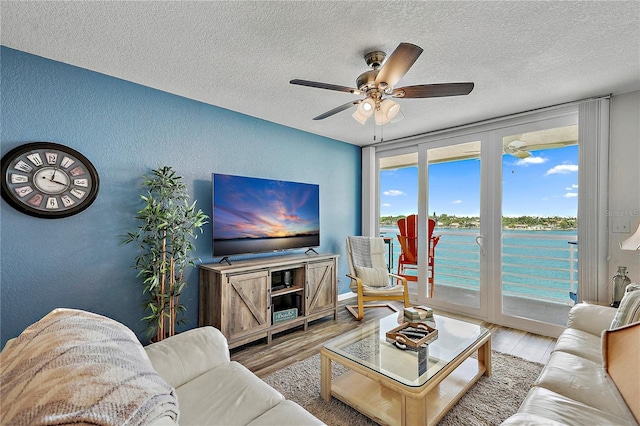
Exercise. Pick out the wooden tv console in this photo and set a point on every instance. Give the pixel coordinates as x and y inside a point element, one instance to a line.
<point>254,298</point>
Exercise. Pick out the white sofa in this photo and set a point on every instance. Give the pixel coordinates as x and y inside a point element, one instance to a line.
<point>592,376</point>
<point>78,367</point>
<point>213,390</point>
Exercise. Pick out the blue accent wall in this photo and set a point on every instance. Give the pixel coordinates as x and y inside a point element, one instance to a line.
<point>126,130</point>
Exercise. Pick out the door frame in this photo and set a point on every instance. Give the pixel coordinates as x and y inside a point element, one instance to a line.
<point>491,202</point>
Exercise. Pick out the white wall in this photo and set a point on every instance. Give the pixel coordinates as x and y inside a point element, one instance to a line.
<point>624,180</point>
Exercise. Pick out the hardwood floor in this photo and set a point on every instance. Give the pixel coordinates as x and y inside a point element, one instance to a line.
<point>295,345</point>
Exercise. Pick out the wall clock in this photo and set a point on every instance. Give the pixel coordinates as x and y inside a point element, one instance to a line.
<point>48,180</point>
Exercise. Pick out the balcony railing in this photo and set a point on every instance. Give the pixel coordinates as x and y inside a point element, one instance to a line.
<point>537,265</point>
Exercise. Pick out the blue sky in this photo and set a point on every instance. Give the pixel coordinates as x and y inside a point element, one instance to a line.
<point>545,184</point>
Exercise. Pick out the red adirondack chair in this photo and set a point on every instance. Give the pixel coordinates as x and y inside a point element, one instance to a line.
<point>408,259</point>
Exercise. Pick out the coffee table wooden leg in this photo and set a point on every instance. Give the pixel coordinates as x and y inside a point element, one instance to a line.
<point>414,411</point>
<point>325,377</point>
<point>484,356</point>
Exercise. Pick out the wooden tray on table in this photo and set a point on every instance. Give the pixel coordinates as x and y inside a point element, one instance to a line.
<point>412,335</point>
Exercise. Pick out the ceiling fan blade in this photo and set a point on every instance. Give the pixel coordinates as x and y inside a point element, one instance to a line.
<point>397,65</point>
<point>337,110</point>
<point>323,85</point>
<point>520,154</point>
<point>433,90</point>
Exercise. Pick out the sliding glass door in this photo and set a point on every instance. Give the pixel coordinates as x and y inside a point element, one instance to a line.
<point>503,204</point>
<point>453,192</point>
<point>398,195</point>
<point>539,224</point>
<point>435,192</point>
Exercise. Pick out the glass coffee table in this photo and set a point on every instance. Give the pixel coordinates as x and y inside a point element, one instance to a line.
<point>405,387</point>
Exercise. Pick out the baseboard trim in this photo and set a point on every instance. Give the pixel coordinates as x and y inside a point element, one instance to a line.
<point>347,295</point>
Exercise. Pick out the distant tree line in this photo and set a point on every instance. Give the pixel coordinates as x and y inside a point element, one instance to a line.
<point>526,222</point>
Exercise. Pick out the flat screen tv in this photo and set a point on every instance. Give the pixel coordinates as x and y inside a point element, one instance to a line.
<point>254,215</point>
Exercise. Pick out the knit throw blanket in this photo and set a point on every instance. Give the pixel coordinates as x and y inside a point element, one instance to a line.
<point>367,252</point>
<point>368,259</point>
<point>77,367</point>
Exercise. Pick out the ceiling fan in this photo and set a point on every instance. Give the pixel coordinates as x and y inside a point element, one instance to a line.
<point>517,149</point>
<point>377,86</point>
<point>520,145</point>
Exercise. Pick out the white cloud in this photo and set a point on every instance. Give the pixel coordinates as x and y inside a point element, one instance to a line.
<point>572,187</point>
<point>570,195</point>
<point>456,202</point>
<point>394,193</point>
<point>563,169</point>
<point>386,205</point>
<point>531,160</point>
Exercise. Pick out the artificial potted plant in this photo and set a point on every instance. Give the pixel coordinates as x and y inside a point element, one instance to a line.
<point>168,224</point>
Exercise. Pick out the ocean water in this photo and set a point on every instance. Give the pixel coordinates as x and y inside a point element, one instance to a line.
<point>535,264</point>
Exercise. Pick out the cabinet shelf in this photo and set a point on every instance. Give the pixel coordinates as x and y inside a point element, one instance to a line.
<point>287,291</point>
<point>239,299</point>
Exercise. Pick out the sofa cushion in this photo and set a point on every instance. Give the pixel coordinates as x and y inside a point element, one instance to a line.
<point>78,367</point>
<point>526,419</point>
<point>629,309</point>
<point>286,413</point>
<point>582,380</point>
<point>590,318</point>
<point>187,355</point>
<point>580,343</point>
<point>546,404</point>
<point>226,395</point>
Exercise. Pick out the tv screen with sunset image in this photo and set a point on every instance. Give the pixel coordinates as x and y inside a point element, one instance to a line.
<point>252,215</point>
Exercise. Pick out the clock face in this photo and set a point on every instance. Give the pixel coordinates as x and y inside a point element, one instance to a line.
<point>48,180</point>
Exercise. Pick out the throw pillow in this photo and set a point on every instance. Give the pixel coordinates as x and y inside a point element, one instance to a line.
<point>76,367</point>
<point>629,309</point>
<point>373,277</point>
<point>632,287</point>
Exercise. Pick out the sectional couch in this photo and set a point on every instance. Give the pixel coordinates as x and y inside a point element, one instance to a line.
<point>78,367</point>
<point>592,376</point>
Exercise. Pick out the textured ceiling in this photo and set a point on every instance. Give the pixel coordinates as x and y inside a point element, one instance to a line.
<point>240,55</point>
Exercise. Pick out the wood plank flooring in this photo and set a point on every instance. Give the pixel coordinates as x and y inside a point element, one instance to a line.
<point>295,345</point>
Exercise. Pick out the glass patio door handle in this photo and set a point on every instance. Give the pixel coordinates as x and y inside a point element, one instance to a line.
<point>479,242</point>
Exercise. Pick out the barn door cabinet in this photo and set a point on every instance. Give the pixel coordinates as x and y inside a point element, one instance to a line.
<point>254,298</point>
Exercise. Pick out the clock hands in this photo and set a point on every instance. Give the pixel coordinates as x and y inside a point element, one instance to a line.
<point>53,175</point>
<point>54,181</point>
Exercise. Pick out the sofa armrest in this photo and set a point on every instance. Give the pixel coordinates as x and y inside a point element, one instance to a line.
<point>185,356</point>
<point>621,359</point>
<point>593,319</point>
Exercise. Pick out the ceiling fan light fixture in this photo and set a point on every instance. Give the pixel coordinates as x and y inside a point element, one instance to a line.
<point>387,110</point>
<point>398,117</point>
<point>360,118</point>
<point>517,144</point>
<point>381,118</point>
<point>364,110</point>
<point>367,106</point>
